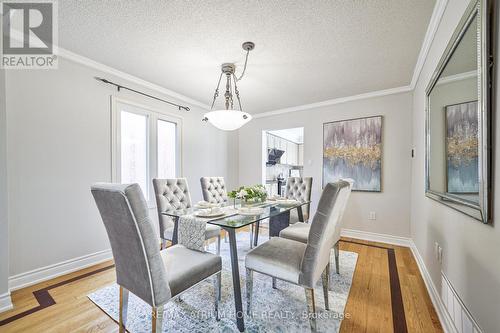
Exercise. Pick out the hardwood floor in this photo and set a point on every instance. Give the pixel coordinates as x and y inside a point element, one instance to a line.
<point>371,306</point>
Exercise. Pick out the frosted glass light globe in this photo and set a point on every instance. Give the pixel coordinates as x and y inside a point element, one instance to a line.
<point>228,120</point>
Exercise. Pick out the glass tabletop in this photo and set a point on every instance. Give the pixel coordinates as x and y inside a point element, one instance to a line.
<point>269,209</point>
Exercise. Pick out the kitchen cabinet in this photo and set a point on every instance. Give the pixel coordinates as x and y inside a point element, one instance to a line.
<point>282,146</point>
<point>289,151</point>
<point>293,152</point>
<point>270,141</point>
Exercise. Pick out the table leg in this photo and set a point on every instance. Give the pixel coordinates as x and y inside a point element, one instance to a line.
<point>256,235</point>
<point>176,230</point>
<point>236,280</point>
<point>300,214</point>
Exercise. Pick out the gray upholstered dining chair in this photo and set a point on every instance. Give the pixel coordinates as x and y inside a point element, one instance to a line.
<point>299,188</point>
<point>214,191</point>
<point>141,268</point>
<point>300,231</point>
<point>299,263</point>
<point>173,194</point>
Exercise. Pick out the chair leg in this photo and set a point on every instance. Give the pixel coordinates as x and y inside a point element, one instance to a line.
<point>256,233</point>
<point>336,250</point>
<point>218,245</point>
<point>251,236</point>
<point>123,309</point>
<point>249,281</point>
<point>311,308</point>
<point>274,283</point>
<point>325,276</point>
<point>217,292</point>
<point>157,319</point>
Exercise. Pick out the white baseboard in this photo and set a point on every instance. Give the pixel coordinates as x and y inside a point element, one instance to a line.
<point>375,237</point>
<point>49,272</point>
<point>5,302</point>
<point>444,316</point>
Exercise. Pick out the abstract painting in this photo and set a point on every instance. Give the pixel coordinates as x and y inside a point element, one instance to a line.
<point>462,169</point>
<point>353,149</point>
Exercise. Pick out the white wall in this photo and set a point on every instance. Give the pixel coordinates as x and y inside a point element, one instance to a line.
<point>471,258</point>
<point>58,130</point>
<point>392,205</point>
<point>4,225</point>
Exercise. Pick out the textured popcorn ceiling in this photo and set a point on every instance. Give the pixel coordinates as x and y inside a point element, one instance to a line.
<point>306,51</point>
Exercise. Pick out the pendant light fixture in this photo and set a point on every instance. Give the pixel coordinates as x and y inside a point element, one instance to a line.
<point>230,118</point>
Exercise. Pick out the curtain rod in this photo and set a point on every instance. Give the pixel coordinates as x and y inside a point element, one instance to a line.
<point>119,86</point>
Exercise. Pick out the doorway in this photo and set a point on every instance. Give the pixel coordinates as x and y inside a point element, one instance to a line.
<point>283,157</point>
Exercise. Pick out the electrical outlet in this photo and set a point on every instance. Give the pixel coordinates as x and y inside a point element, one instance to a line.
<point>372,216</point>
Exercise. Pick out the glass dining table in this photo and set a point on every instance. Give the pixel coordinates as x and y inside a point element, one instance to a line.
<point>279,217</point>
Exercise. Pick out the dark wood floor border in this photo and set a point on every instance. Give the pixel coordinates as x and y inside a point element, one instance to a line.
<point>44,298</point>
<point>397,306</point>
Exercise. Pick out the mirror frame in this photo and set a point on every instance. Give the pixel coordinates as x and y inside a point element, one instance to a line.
<point>484,11</point>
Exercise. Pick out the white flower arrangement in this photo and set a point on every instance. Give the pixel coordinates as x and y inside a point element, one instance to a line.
<point>249,193</point>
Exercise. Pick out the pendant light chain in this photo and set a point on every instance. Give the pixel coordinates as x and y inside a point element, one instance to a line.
<point>237,92</point>
<point>227,95</point>
<point>244,67</point>
<point>216,94</point>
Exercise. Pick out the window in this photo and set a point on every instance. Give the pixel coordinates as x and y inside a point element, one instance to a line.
<point>167,159</point>
<point>146,145</point>
<point>134,149</point>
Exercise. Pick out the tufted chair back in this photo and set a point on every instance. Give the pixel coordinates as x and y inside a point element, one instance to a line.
<point>139,266</point>
<point>299,189</point>
<point>213,189</point>
<point>340,223</point>
<point>324,231</point>
<point>171,194</point>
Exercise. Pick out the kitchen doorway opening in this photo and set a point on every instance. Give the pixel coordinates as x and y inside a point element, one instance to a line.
<point>282,157</point>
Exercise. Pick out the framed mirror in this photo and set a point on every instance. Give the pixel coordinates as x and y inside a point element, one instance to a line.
<point>458,117</point>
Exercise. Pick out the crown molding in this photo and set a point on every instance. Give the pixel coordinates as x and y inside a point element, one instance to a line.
<point>131,78</point>
<point>434,22</point>
<point>456,77</point>
<point>334,101</point>
<point>66,54</point>
<point>437,15</point>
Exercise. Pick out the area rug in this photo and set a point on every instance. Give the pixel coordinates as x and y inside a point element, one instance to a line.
<point>274,310</point>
